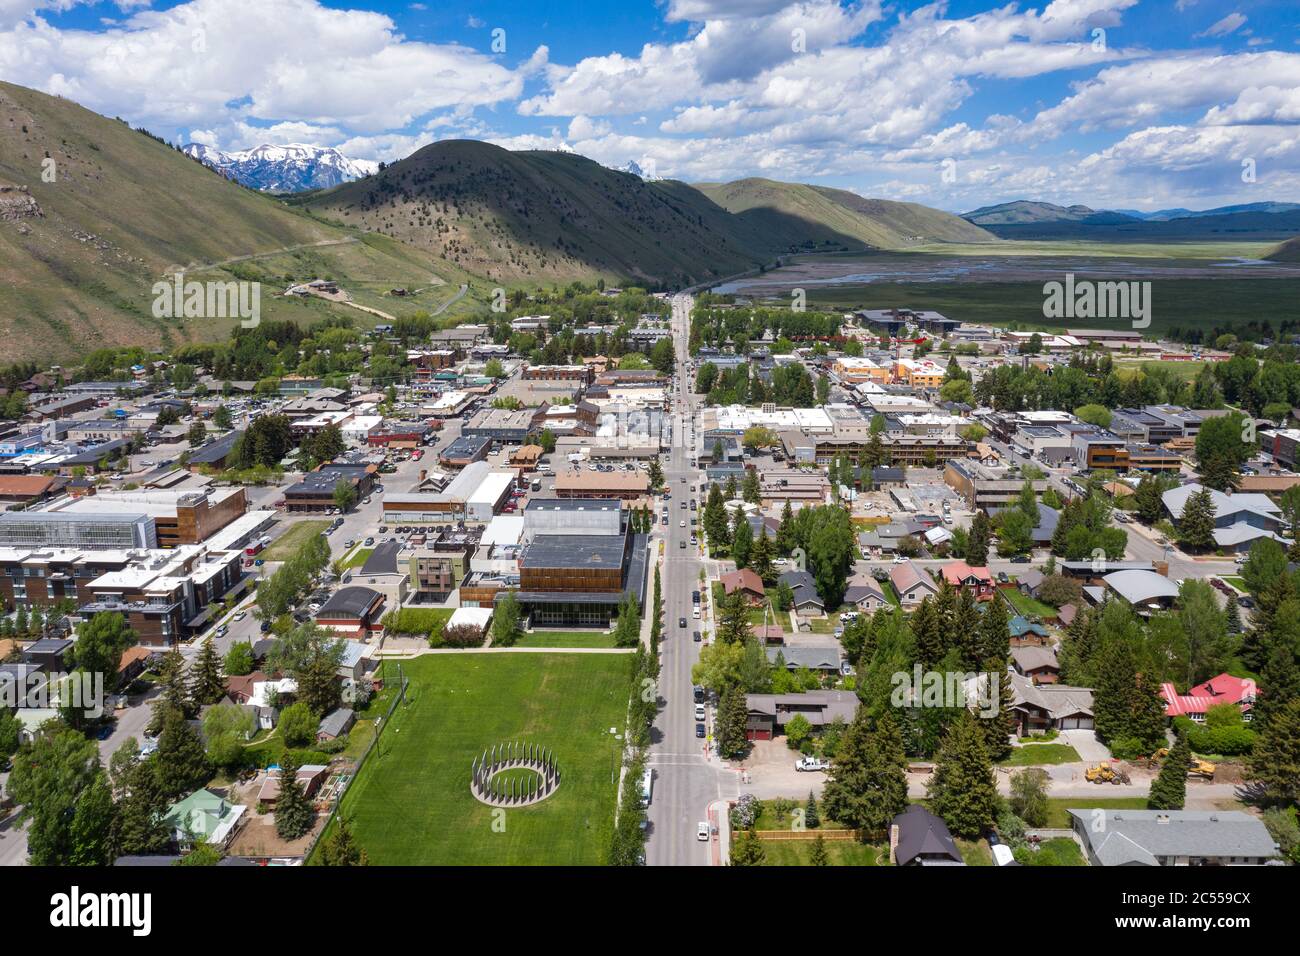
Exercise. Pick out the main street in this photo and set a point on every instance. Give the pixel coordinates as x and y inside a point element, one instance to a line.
<point>686,779</point>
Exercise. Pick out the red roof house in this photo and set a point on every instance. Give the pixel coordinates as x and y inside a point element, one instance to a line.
<point>1224,689</point>
<point>744,580</point>
<point>961,575</point>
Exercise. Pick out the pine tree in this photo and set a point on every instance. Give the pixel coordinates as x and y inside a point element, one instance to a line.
<point>733,619</point>
<point>818,856</point>
<point>1169,789</point>
<point>1232,617</point>
<point>138,827</point>
<point>175,694</point>
<point>1275,761</point>
<point>207,686</point>
<point>730,493</point>
<point>1113,695</point>
<point>760,557</point>
<point>180,762</point>
<point>867,785</point>
<point>1279,684</point>
<point>977,541</point>
<point>1196,524</point>
<point>999,728</point>
<point>811,816</point>
<point>742,540</point>
<point>749,488</point>
<point>730,724</point>
<point>993,637</point>
<point>293,811</point>
<point>962,790</point>
<point>1148,713</point>
<point>785,541</point>
<point>747,850</point>
<point>340,848</point>
<point>927,630</point>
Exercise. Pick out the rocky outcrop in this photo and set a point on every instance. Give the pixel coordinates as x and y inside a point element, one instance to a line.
<point>16,204</point>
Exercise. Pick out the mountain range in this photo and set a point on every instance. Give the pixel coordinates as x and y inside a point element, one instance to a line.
<point>291,168</point>
<point>1028,219</point>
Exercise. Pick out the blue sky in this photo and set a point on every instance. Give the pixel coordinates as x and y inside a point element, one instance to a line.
<point>1111,103</point>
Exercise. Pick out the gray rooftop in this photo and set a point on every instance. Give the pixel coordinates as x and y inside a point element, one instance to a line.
<point>1120,837</point>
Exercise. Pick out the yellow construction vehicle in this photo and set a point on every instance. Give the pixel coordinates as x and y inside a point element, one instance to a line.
<point>1201,768</point>
<point>1105,773</point>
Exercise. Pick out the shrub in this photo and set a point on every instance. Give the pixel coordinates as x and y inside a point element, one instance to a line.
<point>1058,590</point>
<point>298,725</point>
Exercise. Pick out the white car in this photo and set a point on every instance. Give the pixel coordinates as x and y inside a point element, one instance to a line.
<point>811,763</point>
<point>702,831</point>
<point>699,711</point>
<point>683,524</point>
<point>899,559</point>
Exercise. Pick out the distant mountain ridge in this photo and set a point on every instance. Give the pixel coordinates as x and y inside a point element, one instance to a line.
<point>1027,219</point>
<point>290,168</point>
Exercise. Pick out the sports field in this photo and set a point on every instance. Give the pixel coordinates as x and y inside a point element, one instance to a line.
<point>411,803</point>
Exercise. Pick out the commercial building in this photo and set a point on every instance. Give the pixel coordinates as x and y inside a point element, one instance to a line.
<point>501,424</point>
<point>463,451</point>
<point>569,580</point>
<point>316,490</point>
<point>477,493</point>
<point>573,516</point>
<point>127,519</point>
<point>986,487</point>
<point>618,483</point>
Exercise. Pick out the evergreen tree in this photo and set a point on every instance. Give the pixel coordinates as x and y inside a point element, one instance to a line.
<point>293,811</point>
<point>760,557</point>
<point>749,488</point>
<point>1275,761</point>
<point>1279,684</point>
<point>811,815</point>
<point>867,784</point>
<point>1169,789</point>
<point>747,850</point>
<point>1196,524</point>
<point>742,540</point>
<point>207,686</point>
<point>730,493</point>
<point>818,856</point>
<point>340,848</point>
<point>1115,689</point>
<point>175,694</point>
<point>977,541</point>
<point>180,761</point>
<point>962,790</point>
<point>730,723</point>
<point>999,728</point>
<point>993,636</point>
<point>928,631</point>
<point>1232,617</point>
<point>785,539</point>
<point>138,827</point>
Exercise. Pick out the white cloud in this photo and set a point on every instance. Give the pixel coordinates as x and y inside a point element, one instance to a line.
<point>1223,27</point>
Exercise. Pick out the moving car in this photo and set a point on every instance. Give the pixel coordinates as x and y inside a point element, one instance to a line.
<point>702,831</point>
<point>699,730</point>
<point>681,622</point>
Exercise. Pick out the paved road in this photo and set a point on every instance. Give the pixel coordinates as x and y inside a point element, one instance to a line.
<point>686,781</point>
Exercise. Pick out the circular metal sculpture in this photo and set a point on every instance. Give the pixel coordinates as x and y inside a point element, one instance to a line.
<point>514,791</point>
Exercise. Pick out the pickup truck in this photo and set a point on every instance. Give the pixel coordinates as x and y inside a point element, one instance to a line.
<point>811,763</point>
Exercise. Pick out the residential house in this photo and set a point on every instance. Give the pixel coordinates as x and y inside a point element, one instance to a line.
<point>979,581</point>
<point>767,714</point>
<point>804,587</point>
<point>335,724</point>
<point>203,817</point>
<point>919,838</point>
<point>911,584</point>
<point>746,582</point>
<point>1173,837</point>
<point>1224,689</point>
<point>1036,663</point>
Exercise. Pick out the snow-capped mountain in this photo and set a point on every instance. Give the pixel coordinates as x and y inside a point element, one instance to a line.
<point>633,167</point>
<point>292,168</point>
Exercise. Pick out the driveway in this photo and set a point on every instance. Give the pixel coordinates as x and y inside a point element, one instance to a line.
<point>1090,749</point>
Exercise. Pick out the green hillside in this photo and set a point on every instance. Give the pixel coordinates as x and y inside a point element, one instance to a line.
<point>79,254</point>
<point>1288,251</point>
<point>1028,211</point>
<point>534,217</point>
<point>817,214</point>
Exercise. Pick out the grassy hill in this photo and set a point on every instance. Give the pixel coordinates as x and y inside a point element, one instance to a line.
<point>817,215</point>
<point>1027,211</point>
<point>534,217</point>
<point>79,254</point>
<point>1288,251</point>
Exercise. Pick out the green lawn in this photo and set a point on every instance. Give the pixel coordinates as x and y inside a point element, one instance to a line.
<point>1239,583</point>
<point>357,557</point>
<point>1058,851</point>
<point>1058,819</point>
<point>285,546</point>
<point>1026,605</point>
<point>1039,755</point>
<point>974,852</point>
<point>411,804</point>
<point>566,639</point>
<point>839,852</point>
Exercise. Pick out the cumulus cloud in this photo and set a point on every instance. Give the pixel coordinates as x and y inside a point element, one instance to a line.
<point>1222,28</point>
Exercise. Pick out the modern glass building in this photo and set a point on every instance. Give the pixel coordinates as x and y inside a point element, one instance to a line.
<point>53,529</point>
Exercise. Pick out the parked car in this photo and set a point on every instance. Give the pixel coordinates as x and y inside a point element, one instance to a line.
<point>808,764</point>
<point>702,831</point>
<point>699,712</point>
<point>697,637</point>
<point>699,730</point>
